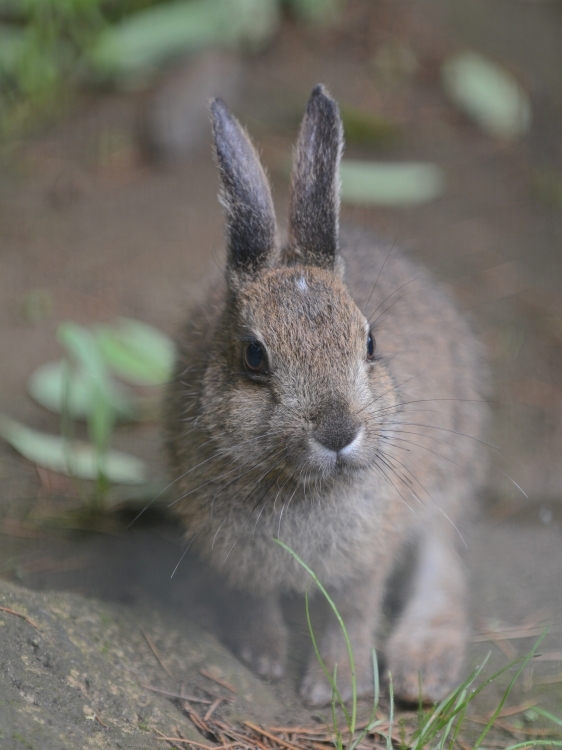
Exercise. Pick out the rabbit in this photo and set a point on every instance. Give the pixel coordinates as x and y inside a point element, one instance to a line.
<point>327,393</point>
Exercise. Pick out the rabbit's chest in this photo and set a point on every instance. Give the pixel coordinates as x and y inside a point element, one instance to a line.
<point>338,538</point>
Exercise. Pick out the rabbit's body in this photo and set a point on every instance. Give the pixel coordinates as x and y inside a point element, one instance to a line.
<point>282,423</point>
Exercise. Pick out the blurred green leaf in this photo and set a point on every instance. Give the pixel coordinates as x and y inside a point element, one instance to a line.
<point>82,345</point>
<point>395,63</point>
<point>12,41</point>
<point>46,385</point>
<point>488,94</point>
<point>76,459</point>
<point>145,40</point>
<point>41,56</point>
<point>137,352</point>
<point>316,11</point>
<point>365,129</point>
<point>390,184</point>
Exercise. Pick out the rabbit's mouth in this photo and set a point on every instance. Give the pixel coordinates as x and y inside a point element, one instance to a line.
<point>336,457</point>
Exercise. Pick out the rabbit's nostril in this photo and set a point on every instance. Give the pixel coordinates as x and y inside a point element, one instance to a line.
<point>336,429</point>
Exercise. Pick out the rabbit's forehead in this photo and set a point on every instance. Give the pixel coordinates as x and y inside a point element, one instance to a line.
<point>302,305</point>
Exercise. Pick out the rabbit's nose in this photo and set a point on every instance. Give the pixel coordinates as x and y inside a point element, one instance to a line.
<point>335,428</point>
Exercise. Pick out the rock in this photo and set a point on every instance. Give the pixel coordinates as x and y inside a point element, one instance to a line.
<point>175,117</point>
<point>73,672</point>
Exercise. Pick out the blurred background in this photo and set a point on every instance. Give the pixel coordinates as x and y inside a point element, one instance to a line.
<point>453,120</point>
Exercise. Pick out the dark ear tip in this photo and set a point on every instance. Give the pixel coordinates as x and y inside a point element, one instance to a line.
<point>320,90</point>
<point>321,100</point>
<point>218,108</point>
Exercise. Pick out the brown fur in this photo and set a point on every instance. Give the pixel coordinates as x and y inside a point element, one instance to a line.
<point>263,455</point>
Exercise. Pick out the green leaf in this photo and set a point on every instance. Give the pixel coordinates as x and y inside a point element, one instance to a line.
<point>76,458</point>
<point>12,43</point>
<point>488,94</point>
<point>317,11</point>
<point>366,129</point>
<point>101,417</point>
<point>390,184</point>
<point>149,38</point>
<point>81,344</point>
<point>46,385</point>
<point>136,352</point>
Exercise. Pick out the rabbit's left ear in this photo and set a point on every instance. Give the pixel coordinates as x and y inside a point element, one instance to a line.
<point>246,196</point>
<point>315,190</point>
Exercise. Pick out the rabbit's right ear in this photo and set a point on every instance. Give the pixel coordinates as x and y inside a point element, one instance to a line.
<point>245,195</point>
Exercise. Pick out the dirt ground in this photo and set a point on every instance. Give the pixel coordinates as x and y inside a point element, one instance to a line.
<point>91,229</point>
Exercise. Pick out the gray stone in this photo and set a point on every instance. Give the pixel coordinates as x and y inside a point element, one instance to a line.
<point>73,674</point>
<point>175,117</point>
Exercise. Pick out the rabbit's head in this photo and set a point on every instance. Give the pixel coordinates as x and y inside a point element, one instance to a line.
<point>293,383</point>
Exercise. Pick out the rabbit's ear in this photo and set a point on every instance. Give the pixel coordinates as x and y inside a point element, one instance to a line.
<point>245,195</point>
<point>315,192</point>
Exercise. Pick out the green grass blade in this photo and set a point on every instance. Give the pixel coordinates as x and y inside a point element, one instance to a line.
<point>333,685</point>
<point>460,721</point>
<point>391,713</point>
<point>535,743</point>
<point>494,716</point>
<point>430,725</point>
<point>375,679</point>
<point>328,598</point>
<point>338,739</point>
<point>371,723</point>
<point>548,715</point>
<point>459,704</point>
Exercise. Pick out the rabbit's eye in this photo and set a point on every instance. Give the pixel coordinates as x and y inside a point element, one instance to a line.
<point>371,346</point>
<point>255,357</point>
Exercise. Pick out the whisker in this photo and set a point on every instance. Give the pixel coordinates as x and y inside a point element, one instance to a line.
<point>390,295</point>
<point>184,553</point>
<point>379,273</point>
<point>443,429</point>
<point>255,506</point>
<point>389,481</point>
<point>439,508</point>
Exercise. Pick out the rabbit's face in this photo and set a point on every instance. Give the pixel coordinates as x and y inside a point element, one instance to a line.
<point>298,384</point>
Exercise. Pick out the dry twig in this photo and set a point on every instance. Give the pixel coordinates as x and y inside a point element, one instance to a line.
<point>223,683</point>
<point>180,696</point>
<point>156,654</point>
<point>19,614</point>
<point>212,709</point>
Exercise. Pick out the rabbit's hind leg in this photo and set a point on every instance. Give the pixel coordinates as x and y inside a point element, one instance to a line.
<point>255,630</point>
<point>427,649</point>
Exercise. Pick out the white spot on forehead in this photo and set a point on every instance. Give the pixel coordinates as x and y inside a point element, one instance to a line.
<point>301,284</point>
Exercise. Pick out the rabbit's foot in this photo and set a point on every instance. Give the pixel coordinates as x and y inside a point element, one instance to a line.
<point>266,655</point>
<point>257,633</point>
<point>316,689</point>
<point>425,660</point>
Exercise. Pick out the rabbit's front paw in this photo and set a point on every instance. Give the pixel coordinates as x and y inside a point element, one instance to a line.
<point>316,690</point>
<point>255,630</point>
<point>267,660</point>
<point>427,659</point>
<point>263,649</point>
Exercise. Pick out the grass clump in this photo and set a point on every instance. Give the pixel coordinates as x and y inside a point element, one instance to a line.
<point>438,727</point>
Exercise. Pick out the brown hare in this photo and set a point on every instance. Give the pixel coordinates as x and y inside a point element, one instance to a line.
<point>327,393</point>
